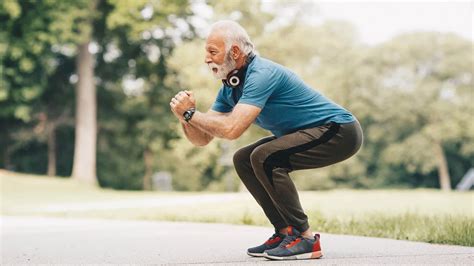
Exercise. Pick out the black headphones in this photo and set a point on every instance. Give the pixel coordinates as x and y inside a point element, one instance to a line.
<point>236,77</point>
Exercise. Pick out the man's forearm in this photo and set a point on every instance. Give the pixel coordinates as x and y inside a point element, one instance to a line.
<point>214,125</point>
<point>196,136</point>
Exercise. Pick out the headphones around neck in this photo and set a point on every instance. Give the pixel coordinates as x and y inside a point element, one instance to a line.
<point>236,77</point>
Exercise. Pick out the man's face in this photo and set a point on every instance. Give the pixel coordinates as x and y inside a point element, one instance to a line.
<point>219,60</point>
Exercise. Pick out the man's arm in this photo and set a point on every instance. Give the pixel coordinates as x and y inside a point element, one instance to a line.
<point>197,136</point>
<point>229,126</point>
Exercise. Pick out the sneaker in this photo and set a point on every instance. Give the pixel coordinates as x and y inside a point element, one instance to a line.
<point>272,242</point>
<point>296,248</point>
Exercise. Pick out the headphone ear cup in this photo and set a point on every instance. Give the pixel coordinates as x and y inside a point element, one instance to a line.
<point>233,79</point>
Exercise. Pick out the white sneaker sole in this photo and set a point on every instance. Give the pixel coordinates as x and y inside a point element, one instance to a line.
<point>304,256</point>
<point>256,254</point>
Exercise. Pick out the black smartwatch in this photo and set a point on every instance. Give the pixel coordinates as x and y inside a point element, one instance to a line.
<point>189,114</point>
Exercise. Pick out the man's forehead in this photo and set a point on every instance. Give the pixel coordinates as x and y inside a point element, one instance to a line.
<point>215,40</point>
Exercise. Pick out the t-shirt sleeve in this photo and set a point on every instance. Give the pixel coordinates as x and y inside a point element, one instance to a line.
<point>220,104</point>
<point>259,86</point>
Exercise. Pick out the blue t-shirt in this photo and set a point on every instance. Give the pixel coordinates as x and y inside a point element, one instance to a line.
<point>287,103</point>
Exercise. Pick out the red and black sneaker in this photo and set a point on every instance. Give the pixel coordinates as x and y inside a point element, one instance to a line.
<point>296,248</point>
<point>272,242</point>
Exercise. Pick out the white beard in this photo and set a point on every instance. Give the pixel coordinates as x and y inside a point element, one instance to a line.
<point>224,68</point>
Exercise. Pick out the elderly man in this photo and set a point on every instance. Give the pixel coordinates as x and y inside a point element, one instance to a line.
<point>309,131</point>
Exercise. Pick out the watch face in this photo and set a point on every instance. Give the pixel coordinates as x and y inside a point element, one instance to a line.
<point>187,115</point>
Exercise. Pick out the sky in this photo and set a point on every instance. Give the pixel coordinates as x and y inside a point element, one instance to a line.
<point>378,21</point>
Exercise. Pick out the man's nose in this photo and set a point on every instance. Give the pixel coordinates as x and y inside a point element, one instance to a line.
<point>207,60</point>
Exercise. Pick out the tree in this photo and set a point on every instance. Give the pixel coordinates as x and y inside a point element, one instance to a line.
<point>43,37</point>
<point>427,79</point>
<point>84,166</point>
<point>35,36</point>
<point>136,39</point>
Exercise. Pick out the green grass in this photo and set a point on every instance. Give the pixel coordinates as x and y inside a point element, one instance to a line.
<point>419,215</point>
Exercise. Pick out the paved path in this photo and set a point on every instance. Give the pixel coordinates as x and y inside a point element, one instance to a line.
<point>34,240</point>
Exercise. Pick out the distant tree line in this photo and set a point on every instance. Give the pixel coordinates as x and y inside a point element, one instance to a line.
<point>85,87</point>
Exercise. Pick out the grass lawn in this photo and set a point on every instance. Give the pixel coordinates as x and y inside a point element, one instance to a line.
<point>420,215</point>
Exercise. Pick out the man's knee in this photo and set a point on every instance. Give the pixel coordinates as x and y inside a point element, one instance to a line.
<point>264,158</point>
<point>240,157</point>
<point>257,157</point>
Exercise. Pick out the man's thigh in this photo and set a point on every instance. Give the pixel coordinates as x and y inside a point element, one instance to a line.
<point>332,147</point>
<point>309,148</point>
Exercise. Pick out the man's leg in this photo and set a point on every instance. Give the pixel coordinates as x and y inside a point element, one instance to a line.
<point>304,149</point>
<point>244,170</point>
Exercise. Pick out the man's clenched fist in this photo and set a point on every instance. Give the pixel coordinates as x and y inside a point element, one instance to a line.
<point>181,102</point>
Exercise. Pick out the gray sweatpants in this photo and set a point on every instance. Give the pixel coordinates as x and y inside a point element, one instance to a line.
<point>264,165</point>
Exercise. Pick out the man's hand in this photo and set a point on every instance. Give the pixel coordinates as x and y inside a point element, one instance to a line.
<point>181,102</point>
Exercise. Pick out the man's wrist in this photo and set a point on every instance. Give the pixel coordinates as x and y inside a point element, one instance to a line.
<point>188,114</point>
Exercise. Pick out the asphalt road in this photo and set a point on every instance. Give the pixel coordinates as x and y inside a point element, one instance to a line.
<point>33,240</point>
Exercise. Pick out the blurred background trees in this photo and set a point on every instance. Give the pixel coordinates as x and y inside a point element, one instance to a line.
<point>412,94</point>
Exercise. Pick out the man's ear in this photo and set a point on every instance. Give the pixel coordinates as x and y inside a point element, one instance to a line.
<point>236,53</point>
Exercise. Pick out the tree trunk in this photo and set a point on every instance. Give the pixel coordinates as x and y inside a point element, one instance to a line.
<point>444,178</point>
<point>51,149</point>
<point>84,166</point>
<point>6,158</point>
<point>148,159</point>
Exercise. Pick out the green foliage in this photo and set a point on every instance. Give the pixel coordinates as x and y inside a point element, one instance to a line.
<point>33,30</point>
<point>427,101</point>
<point>411,94</point>
<point>34,88</point>
<point>136,121</point>
<point>40,46</point>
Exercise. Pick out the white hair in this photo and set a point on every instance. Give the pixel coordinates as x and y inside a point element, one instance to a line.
<point>234,34</point>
